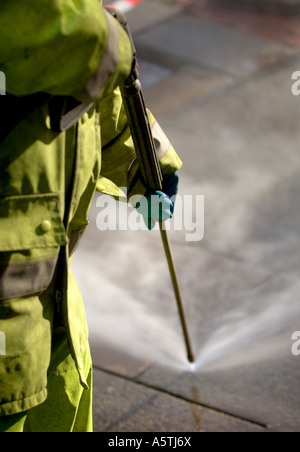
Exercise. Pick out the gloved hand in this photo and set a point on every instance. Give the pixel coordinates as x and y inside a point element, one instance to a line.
<point>159,205</point>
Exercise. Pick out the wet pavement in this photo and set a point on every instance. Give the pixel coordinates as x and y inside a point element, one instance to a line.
<point>220,85</point>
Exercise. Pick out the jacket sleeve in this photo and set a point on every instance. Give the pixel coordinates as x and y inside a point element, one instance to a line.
<point>62,47</point>
<point>119,165</point>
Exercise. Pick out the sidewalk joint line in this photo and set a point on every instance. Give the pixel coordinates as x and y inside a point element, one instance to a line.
<point>183,398</point>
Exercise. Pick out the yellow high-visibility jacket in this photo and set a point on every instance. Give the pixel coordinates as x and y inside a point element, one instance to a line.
<point>73,49</point>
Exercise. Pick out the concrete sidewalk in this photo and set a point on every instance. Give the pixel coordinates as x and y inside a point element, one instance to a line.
<point>223,96</point>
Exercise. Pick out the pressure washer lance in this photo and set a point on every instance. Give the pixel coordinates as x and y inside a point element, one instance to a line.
<point>141,132</point>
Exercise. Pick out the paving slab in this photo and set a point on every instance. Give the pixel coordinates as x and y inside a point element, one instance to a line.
<point>189,82</point>
<point>237,131</point>
<point>270,22</point>
<point>151,73</point>
<point>150,14</point>
<point>246,366</point>
<point>130,302</point>
<point>115,358</point>
<point>124,406</point>
<point>208,44</point>
<point>240,151</point>
<point>269,6</point>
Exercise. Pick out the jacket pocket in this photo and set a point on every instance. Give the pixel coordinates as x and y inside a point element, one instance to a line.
<point>31,234</point>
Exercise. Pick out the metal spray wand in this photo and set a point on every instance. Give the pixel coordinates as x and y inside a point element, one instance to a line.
<point>141,132</point>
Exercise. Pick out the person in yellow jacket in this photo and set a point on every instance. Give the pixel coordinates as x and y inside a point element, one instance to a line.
<point>56,55</point>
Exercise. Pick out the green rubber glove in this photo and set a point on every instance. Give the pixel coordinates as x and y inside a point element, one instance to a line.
<point>159,205</point>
